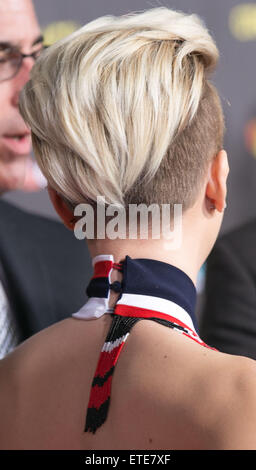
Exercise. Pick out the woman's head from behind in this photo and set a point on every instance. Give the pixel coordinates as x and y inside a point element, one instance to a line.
<point>123,108</point>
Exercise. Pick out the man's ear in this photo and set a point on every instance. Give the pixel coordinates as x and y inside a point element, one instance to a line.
<point>61,208</point>
<point>216,188</point>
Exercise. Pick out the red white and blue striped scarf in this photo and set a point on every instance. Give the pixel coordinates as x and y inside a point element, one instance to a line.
<point>150,289</point>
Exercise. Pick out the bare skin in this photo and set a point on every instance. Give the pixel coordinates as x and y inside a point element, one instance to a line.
<point>174,392</point>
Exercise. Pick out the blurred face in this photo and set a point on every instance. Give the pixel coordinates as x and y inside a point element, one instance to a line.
<point>19,30</point>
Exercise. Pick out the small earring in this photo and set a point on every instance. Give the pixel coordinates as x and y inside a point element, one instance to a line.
<point>212,205</point>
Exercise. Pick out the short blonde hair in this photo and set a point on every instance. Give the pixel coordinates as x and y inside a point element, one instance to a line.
<point>123,108</point>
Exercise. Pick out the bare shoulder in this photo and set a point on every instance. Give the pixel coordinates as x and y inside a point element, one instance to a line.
<point>178,393</point>
<point>44,384</point>
<point>186,395</point>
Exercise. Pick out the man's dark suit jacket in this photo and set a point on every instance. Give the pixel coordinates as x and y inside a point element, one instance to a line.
<point>46,269</point>
<point>228,319</point>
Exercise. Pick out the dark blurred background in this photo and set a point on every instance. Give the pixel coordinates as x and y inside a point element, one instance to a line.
<point>233,25</point>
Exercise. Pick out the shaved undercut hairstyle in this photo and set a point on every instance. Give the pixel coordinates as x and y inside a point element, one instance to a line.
<point>124,108</point>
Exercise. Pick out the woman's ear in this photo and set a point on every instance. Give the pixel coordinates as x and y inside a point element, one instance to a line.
<point>61,208</point>
<point>216,188</point>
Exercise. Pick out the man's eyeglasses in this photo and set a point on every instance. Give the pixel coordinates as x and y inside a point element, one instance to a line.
<point>11,59</point>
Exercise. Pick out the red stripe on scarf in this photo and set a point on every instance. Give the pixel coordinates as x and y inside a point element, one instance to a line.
<point>107,360</point>
<point>102,269</point>
<point>132,311</point>
<point>99,394</point>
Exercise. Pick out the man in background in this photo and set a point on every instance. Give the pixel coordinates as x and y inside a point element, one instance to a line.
<point>43,268</point>
<point>228,318</point>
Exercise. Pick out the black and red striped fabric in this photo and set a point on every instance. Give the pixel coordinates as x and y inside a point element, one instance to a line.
<point>150,289</point>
